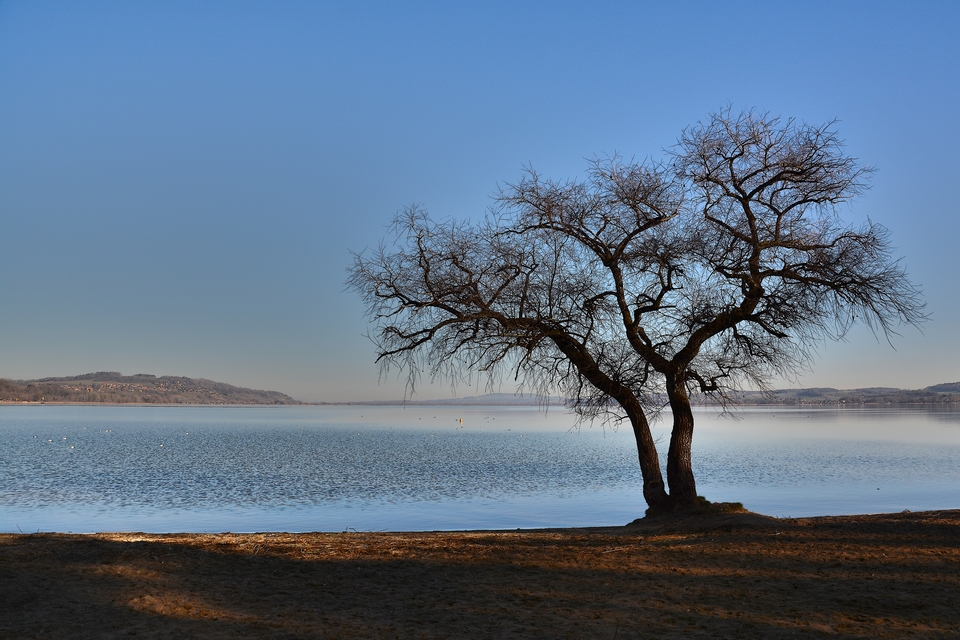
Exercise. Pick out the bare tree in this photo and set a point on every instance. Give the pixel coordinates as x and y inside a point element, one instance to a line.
<point>724,266</point>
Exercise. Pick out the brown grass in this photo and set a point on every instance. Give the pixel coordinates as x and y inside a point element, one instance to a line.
<point>710,576</point>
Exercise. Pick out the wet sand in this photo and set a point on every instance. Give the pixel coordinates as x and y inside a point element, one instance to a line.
<point>709,576</point>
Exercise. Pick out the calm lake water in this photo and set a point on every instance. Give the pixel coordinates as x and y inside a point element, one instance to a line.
<point>163,469</point>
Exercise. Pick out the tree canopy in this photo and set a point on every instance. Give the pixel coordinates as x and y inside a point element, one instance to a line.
<point>723,265</point>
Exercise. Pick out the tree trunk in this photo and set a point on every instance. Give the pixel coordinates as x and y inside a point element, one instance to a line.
<point>654,491</point>
<point>683,487</point>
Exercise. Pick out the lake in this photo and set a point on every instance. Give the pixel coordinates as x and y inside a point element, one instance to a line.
<point>204,468</point>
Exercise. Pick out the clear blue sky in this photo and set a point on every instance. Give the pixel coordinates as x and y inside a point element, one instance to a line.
<point>180,182</point>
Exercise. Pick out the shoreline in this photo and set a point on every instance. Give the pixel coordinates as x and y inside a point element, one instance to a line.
<point>735,574</point>
<point>685,523</point>
<point>689,522</point>
<point>953,403</point>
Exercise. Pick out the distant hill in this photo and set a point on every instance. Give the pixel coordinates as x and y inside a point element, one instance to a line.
<point>113,387</point>
<point>940,394</point>
<point>949,387</point>
<point>947,393</point>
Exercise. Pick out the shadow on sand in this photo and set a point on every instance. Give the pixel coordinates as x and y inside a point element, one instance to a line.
<point>724,575</point>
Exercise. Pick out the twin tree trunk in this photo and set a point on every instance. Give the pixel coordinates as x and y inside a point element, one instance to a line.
<point>683,487</point>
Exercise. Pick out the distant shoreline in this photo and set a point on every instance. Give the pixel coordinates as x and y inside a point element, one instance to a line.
<point>441,404</point>
<point>112,388</point>
<point>14,403</point>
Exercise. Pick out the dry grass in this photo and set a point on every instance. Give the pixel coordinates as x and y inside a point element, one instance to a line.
<point>710,576</point>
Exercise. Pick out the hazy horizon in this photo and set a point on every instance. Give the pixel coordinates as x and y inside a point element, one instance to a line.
<point>181,185</point>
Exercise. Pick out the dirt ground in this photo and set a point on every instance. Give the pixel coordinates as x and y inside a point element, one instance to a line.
<point>711,576</point>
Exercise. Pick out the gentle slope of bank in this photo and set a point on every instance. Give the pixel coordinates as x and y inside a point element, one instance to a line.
<point>723,575</point>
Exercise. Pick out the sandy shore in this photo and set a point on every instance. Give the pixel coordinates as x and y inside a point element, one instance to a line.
<point>716,576</point>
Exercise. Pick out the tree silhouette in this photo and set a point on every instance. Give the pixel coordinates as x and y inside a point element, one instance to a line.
<point>725,265</point>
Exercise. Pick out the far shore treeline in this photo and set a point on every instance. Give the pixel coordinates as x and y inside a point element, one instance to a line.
<point>115,388</point>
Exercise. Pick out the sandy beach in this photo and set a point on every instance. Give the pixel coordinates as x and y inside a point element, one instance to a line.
<point>709,576</point>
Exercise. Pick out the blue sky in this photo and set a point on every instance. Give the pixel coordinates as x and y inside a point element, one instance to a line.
<point>181,182</point>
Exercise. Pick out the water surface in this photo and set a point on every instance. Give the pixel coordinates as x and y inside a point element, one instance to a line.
<point>90,468</point>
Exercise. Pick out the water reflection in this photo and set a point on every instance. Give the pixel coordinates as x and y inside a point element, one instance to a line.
<point>206,468</point>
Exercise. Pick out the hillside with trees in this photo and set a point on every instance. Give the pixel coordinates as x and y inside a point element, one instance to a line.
<point>938,394</point>
<point>113,387</point>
